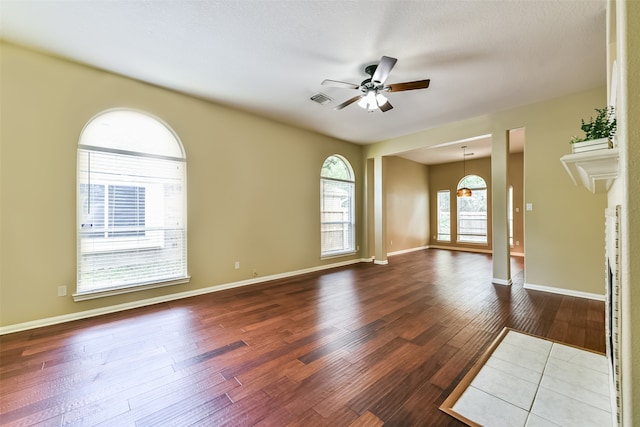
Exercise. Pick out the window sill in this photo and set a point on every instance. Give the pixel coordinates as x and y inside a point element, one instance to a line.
<point>337,255</point>
<point>84,296</point>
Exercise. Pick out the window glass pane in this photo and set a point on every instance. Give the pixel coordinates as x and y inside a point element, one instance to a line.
<point>444,216</point>
<point>337,168</point>
<point>472,211</point>
<point>131,131</point>
<point>131,217</point>
<point>337,207</point>
<point>510,214</point>
<point>92,197</point>
<point>472,181</point>
<point>126,210</point>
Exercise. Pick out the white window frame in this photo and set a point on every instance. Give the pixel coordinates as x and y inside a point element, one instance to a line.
<point>347,220</point>
<point>130,149</point>
<point>472,238</point>
<point>510,214</point>
<point>441,236</point>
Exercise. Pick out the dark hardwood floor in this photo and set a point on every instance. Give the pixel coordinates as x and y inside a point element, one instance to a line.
<point>364,345</point>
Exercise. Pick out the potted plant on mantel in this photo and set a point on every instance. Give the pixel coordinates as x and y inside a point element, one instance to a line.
<point>599,132</point>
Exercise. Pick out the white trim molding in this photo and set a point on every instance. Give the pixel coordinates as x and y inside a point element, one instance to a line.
<point>501,282</point>
<point>405,251</point>
<point>462,249</point>
<point>562,291</point>
<point>165,298</point>
<point>83,296</point>
<point>381,261</point>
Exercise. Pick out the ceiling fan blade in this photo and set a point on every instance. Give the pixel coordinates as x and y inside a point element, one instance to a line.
<point>383,69</point>
<point>398,87</point>
<point>348,102</point>
<point>337,83</point>
<point>385,107</point>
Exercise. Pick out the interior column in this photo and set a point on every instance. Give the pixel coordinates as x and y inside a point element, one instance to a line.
<point>380,224</point>
<point>500,222</point>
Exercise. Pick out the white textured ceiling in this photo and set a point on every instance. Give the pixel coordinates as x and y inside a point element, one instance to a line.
<point>269,57</point>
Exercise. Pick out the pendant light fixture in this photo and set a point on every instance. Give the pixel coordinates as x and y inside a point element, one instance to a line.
<point>464,191</point>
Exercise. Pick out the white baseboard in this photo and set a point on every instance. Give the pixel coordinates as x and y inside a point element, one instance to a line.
<point>381,261</point>
<point>165,298</point>
<point>405,251</point>
<point>455,248</point>
<point>562,291</point>
<point>502,282</point>
<point>482,251</point>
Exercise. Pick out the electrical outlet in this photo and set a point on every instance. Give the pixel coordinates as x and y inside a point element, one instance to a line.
<point>237,265</point>
<point>62,291</point>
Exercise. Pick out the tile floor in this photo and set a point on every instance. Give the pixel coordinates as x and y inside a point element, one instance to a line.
<point>532,382</point>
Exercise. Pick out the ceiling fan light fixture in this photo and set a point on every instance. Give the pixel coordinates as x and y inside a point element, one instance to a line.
<point>381,99</point>
<point>368,102</point>
<point>372,100</point>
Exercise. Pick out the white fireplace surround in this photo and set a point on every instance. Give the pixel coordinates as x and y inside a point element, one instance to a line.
<point>612,306</point>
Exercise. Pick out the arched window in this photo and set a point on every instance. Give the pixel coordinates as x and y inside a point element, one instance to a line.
<point>131,201</point>
<point>472,211</point>
<point>337,207</point>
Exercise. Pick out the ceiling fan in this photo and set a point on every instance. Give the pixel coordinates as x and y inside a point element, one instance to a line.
<point>373,88</point>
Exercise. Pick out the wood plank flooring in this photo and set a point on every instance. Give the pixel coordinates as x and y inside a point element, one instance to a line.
<point>364,345</point>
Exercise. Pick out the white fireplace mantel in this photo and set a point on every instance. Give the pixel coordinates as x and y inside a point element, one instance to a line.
<point>596,169</point>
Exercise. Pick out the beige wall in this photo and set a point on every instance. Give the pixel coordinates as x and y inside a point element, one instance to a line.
<point>406,184</point>
<point>253,184</point>
<point>565,230</point>
<point>564,233</point>
<point>446,177</point>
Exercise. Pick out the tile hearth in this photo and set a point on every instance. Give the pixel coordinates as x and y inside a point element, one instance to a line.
<point>532,382</point>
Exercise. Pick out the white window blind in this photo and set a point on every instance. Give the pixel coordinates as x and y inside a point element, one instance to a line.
<point>131,213</point>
